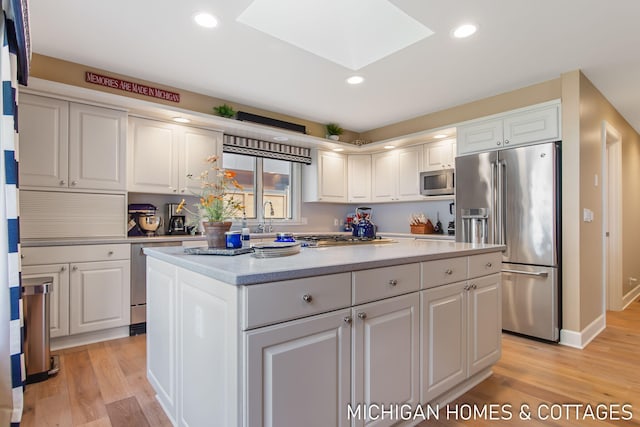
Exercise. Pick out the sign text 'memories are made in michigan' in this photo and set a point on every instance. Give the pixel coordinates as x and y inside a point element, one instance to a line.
<point>131,87</point>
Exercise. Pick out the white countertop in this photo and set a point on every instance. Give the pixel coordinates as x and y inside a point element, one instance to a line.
<point>247,270</point>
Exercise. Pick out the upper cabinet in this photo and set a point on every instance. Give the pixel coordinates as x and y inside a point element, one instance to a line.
<point>359,167</point>
<point>395,175</point>
<point>539,123</point>
<point>67,145</point>
<point>325,179</point>
<point>161,155</point>
<point>439,155</point>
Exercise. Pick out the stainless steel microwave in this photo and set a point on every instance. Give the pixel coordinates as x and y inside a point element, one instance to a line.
<point>437,183</point>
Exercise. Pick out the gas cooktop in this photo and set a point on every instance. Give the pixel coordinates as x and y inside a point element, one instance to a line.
<point>339,240</point>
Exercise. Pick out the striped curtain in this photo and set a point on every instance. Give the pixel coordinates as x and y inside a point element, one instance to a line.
<point>13,65</point>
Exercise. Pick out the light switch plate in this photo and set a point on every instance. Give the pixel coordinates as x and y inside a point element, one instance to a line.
<point>587,215</point>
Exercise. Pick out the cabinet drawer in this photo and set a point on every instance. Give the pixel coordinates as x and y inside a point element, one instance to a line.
<point>483,264</point>
<point>279,301</point>
<point>378,283</point>
<point>443,271</point>
<point>65,254</point>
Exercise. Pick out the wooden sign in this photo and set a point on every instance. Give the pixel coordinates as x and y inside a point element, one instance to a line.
<point>131,87</point>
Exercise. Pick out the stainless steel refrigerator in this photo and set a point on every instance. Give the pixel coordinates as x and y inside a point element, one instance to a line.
<point>512,197</point>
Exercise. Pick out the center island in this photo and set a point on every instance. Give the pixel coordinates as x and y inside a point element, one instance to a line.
<point>379,334</point>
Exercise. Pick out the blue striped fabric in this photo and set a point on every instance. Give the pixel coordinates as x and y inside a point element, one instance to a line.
<point>9,215</point>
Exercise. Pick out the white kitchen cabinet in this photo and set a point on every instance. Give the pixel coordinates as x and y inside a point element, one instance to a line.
<point>386,352</point>
<point>300,370</point>
<point>161,155</point>
<point>325,179</point>
<point>67,145</point>
<point>396,175</point>
<point>91,290</point>
<point>535,124</point>
<point>359,182</point>
<point>98,295</point>
<point>461,332</point>
<point>58,295</point>
<point>439,155</point>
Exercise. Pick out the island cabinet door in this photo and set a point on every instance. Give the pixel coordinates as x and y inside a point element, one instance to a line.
<point>299,372</point>
<point>485,322</point>
<point>386,352</point>
<point>444,339</point>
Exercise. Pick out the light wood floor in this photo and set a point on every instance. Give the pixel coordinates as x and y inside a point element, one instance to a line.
<point>105,384</point>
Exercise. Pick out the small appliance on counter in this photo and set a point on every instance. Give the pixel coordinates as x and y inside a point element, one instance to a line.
<point>143,220</point>
<point>363,227</point>
<point>177,222</point>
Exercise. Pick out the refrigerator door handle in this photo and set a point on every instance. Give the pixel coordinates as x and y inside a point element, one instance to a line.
<point>500,209</point>
<point>528,273</point>
<point>494,201</point>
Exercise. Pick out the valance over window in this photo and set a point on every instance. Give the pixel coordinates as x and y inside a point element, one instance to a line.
<point>271,150</point>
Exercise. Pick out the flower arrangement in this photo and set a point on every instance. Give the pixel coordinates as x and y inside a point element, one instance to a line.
<point>217,201</point>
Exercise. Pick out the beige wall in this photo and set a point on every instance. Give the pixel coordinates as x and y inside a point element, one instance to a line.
<point>519,98</point>
<point>57,70</point>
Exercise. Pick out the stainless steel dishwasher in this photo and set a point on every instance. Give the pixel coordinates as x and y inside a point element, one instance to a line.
<point>139,284</point>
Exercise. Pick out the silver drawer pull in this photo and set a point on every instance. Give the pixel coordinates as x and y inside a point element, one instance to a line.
<point>528,273</point>
<point>347,320</point>
<point>74,182</point>
<point>474,286</point>
<point>488,265</point>
<point>63,268</point>
<point>448,271</point>
<point>75,268</point>
<point>307,298</point>
<point>63,182</point>
<point>110,253</point>
<point>362,315</point>
<point>393,282</point>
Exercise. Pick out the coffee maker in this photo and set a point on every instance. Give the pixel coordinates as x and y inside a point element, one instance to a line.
<point>177,221</point>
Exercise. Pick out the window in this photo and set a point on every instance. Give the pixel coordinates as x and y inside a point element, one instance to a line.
<point>266,183</point>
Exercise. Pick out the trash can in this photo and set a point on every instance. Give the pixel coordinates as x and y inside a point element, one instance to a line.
<point>37,357</point>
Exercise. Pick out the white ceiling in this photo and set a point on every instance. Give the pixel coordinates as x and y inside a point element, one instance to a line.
<point>519,42</point>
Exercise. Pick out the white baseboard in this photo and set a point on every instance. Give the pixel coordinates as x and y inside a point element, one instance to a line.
<point>630,297</point>
<point>584,337</point>
<point>59,343</point>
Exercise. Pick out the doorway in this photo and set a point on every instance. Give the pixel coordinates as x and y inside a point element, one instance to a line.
<point>612,220</point>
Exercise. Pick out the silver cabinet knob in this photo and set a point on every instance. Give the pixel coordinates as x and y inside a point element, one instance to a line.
<point>307,298</point>
<point>488,265</point>
<point>474,286</point>
<point>393,282</point>
<point>467,287</point>
<point>506,141</point>
<point>448,272</point>
<point>63,182</point>
<point>63,268</point>
<point>74,182</point>
<point>362,315</point>
<point>21,256</point>
<point>347,320</point>
<point>110,253</point>
<point>75,268</point>
<point>498,142</point>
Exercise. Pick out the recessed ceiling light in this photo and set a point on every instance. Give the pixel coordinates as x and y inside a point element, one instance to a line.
<point>464,31</point>
<point>338,149</point>
<point>389,147</point>
<point>205,20</point>
<point>280,138</point>
<point>355,80</point>
<point>181,120</point>
<point>440,136</point>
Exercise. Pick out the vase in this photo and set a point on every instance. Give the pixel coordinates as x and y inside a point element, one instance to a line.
<point>334,137</point>
<point>214,231</point>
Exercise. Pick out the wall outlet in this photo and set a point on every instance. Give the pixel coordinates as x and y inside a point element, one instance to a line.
<point>587,215</point>
<point>336,222</point>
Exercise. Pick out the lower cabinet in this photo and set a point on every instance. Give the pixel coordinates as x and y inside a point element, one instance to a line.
<point>461,325</point>
<point>58,296</point>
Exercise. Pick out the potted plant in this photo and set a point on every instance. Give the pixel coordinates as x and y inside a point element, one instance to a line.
<point>224,110</point>
<point>217,202</point>
<point>334,131</point>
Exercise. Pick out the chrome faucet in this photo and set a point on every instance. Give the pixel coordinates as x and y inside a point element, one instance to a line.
<point>263,227</point>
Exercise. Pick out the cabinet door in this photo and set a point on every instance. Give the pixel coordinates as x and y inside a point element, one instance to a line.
<point>480,136</point>
<point>97,144</point>
<point>409,166</point>
<point>359,182</point>
<point>161,334</point>
<point>197,146</point>
<point>386,350</point>
<point>298,373</point>
<point>332,177</point>
<point>485,322</point>
<point>444,339</point>
<point>384,168</point>
<point>153,157</point>
<point>58,297</point>
<point>538,125</point>
<point>438,155</point>
<point>44,141</point>
<point>99,295</point>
